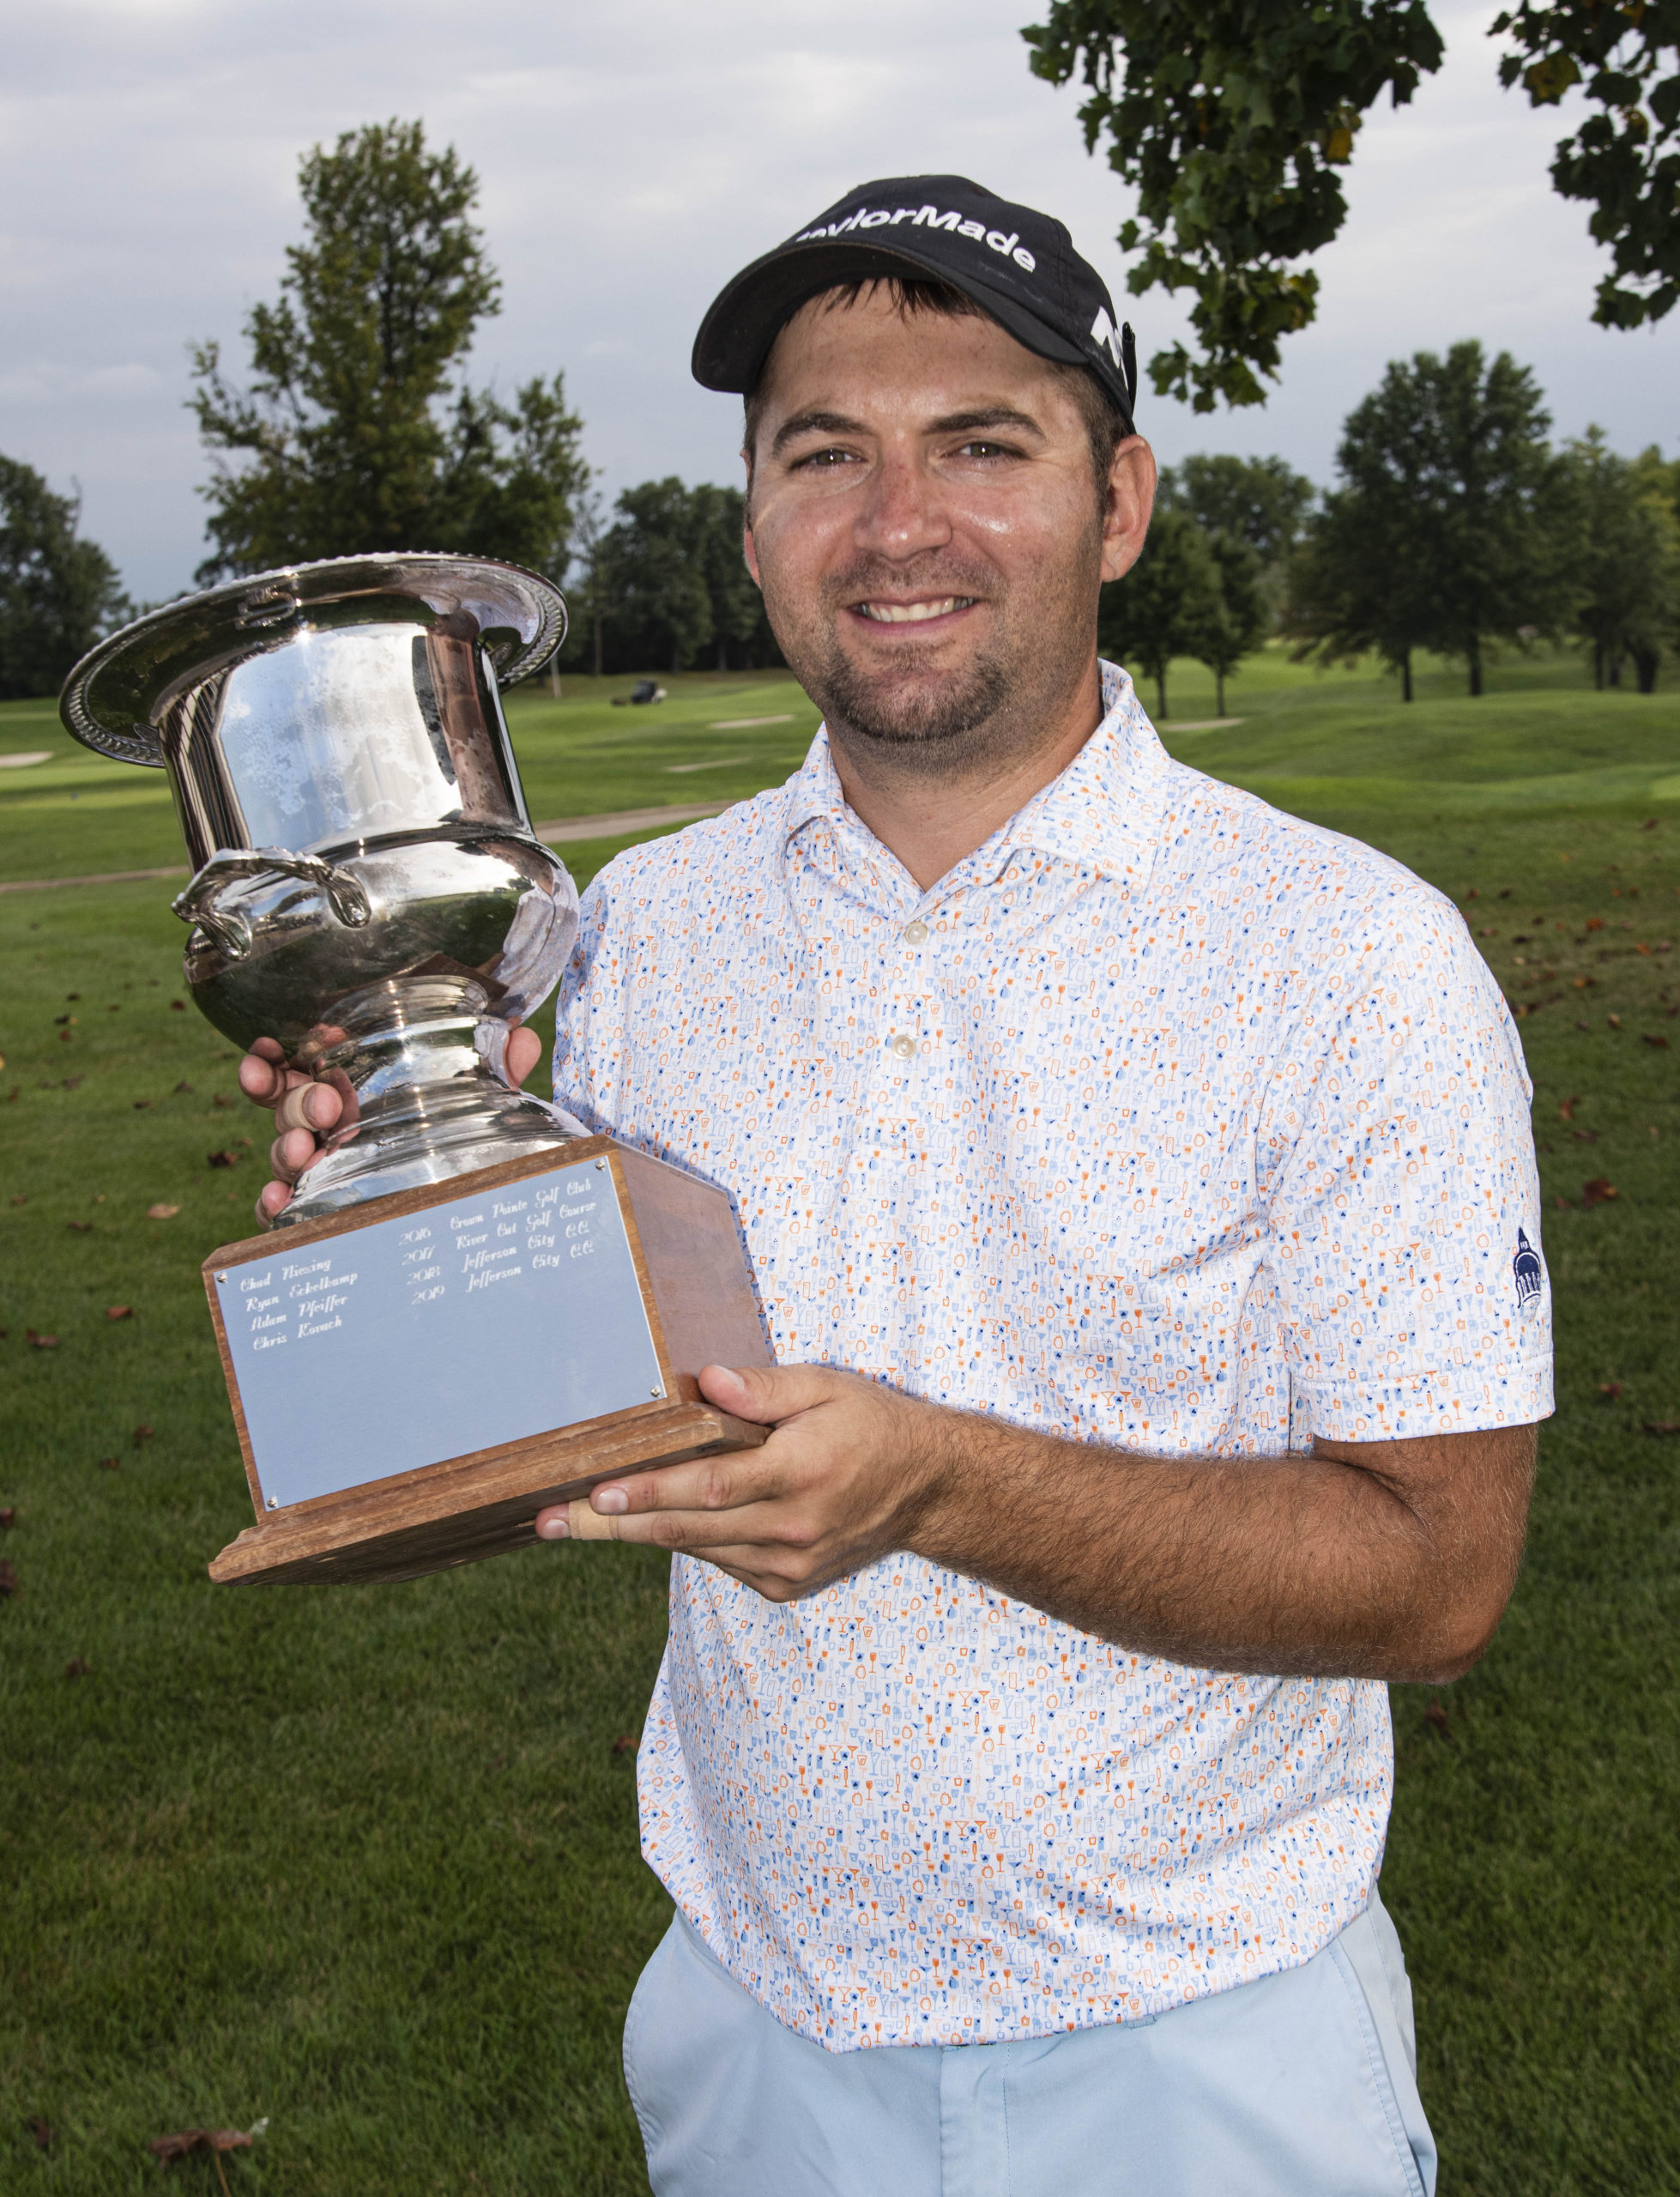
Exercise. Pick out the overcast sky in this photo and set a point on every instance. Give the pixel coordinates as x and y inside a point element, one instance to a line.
<point>631,158</point>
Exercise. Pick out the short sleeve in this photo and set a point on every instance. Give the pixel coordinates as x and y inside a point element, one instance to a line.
<point>1404,1221</point>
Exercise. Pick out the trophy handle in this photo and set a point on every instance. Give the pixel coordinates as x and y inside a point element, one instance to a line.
<point>232,932</point>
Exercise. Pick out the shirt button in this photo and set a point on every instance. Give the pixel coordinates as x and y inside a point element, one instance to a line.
<point>916,933</point>
<point>904,1047</point>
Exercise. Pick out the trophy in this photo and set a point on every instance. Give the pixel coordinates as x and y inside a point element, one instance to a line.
<point>470,1308</point>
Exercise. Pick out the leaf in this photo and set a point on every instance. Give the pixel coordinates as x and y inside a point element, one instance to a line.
<point>1614,1021</point>
<point>80,1227</point>
<point>177,1006</point>
<point>1584,1136</point>
<point>1662,1426</point>
<point>1563,1204</point>
<point>8,1578</point>
<point>119,1311</point>
<point>7,1517</point>
<point>111,1464</point>
<point>143,1434</point>
<point>224,1159</point>
<point>39,2128</point>
<point>141,1105</point>
<point>221,1101</point>
<point>1661,1044</point>
<point>199,2139</point>
<point>1595,923</point>
<point>1600,1191</point>
<point>40,1342</point>
<point>625,1743</point>
<point>1436,1714</point>
<point>161,1212</point>
<point>77,1668</point>
<point>22,1197</point>
<point>1609,1390</point>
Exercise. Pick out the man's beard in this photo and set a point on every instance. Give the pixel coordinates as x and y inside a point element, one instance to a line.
<point>915,719</point>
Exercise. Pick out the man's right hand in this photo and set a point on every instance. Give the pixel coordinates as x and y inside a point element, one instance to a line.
<point>306,1111</point>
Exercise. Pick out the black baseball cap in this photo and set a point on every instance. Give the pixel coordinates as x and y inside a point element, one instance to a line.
<point>1018,265</point>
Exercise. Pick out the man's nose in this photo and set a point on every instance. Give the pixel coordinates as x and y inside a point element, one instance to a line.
<point>904,512</point>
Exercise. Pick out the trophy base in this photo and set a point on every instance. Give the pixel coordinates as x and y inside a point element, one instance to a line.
<point>432,1138</point>
<point>414,1378</point>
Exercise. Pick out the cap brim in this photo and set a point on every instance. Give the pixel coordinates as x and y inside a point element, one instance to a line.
<point>747,315</point>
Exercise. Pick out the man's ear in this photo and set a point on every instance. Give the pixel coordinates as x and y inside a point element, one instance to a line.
<point>746,549</point>
<point>1127,507</point>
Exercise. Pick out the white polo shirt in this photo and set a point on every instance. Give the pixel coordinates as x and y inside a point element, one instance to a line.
<point>1165,1121</point>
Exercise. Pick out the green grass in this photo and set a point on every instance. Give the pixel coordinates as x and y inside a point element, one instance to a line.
<point>364,1860</point>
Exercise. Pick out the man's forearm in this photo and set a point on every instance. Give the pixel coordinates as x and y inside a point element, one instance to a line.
<point>1298,1563</point>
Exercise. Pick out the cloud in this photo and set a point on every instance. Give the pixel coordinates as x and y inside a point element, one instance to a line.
<point>631,160</point>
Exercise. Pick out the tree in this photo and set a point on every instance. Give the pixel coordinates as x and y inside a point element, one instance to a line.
<point>1447,532</point>
<point>357,433</point>
<point>1233,620</point>
<point>1259,500</point>
<point>1166,606</point>
<point>1625,558</point>
<point>1229,117</point>
<point>58,594</point>
<point>661,602</point>
<point>738,620</point>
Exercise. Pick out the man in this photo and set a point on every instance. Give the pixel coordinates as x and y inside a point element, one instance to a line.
<point>1134,1179</point>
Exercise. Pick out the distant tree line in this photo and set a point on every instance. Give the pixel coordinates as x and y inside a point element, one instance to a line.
<point>1452,527</point>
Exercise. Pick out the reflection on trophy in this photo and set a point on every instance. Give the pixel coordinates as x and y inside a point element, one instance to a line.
<point>466,1312</point>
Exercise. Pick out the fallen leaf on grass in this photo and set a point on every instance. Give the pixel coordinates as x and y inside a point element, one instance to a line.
<point>8,1578</point>
<point>40,1342</point>
<point>199,2139</point>
<point>1649,825</point>
<point>224,1159</point>
<point>39,2127</point>
<point>177,1006</point>
<point>1563,1204</point>
<point>143,1434</point>
<point>141,1105</point>
<point>7,1517</point>
<point>1436,1714</point>
<point>64,1037</point>
<point>221,1101</point>
<point>14,1094</point>
<point>111,1464</point>
<point>161,1212</point>
<point>1662,1425</point>
<point>1595,923</point>
<point>80,1227</point>
<point>1609,1390</point>
<point>1584,1136</point>
<point>1661,1044</point>
<point>1600,1191</point>
<point>77,1668</point>
<point>183,1087</point>
<point>625,1743</point>
<point>1614,1021</point>
<point>119,1311</point>
<point>22,1197</point>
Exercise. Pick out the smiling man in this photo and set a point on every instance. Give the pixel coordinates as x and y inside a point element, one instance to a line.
<point>1137,1183</point>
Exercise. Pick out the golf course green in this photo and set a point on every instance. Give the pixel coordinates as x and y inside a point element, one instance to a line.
<point>361,1864</point>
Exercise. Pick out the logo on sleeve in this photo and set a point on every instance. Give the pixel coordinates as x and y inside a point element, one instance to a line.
<point>1526,1266</point>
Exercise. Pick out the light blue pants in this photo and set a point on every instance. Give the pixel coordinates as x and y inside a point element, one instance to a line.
<point>1302,2085</point>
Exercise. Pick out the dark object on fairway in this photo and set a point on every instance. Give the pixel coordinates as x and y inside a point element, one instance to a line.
<point>1436,1714</point>
<point>1600,1191</point>
<point>8,1578</point>
<point>77,1668</point>
<point>224,1159</point>
<point>1609,1390</point>
<point>625,1743</point>
<point>37,2126</point>
<point>40,1342</point>
<point>119,1311</point>
<point>143,1434</point>
<point>111,1464</point>
<point>1662,1426</point>
<point>7,1517</point>
<point>1018,265</point>
<point>645,690</point>
<point>1660,1043</point>
<point>80,1227</point>
<point>199,2139</point>
<point>1584,1136</point>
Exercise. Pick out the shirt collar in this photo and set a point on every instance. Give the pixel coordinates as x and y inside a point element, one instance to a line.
<point>1102,814</point>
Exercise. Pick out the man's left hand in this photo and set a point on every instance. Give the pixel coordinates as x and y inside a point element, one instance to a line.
<point>847,1471</point>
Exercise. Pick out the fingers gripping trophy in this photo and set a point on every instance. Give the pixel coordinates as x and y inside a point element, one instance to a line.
<point>470,1310</point>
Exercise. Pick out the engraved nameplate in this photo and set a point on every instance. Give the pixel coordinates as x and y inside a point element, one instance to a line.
<point>485,1320</point>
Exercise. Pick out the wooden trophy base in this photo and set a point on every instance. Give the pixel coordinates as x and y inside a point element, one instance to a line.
<point>562,1303</point>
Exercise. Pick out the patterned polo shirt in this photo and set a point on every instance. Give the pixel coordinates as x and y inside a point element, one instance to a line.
<point>1164,1122</point>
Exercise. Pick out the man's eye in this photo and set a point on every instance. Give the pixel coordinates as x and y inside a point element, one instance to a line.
<point>824,459</point>
<point>985,450</point>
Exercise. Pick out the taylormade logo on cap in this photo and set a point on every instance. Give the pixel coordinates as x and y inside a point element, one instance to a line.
<point>931,217</point>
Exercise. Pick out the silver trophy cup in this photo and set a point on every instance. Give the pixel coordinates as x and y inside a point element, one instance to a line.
<point>368,889</point>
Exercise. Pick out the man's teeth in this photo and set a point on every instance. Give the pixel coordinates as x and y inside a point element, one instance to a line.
<point>903,613</point>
